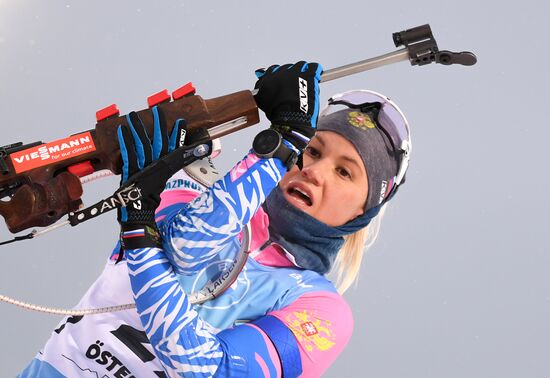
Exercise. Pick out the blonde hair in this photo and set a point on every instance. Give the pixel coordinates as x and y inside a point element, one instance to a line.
<point>349,257</point>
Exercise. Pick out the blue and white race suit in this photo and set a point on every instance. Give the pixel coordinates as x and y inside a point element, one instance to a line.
<point>276,318</point>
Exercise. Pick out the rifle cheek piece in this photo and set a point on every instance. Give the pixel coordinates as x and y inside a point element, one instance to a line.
<point>41,204</point>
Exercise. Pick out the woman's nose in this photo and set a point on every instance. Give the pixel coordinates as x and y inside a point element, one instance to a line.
<point>314,172</point>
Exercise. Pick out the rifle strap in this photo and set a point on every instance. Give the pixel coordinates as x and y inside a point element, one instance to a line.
<point>121,197</point>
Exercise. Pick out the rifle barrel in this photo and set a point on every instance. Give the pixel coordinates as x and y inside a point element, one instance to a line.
<point>365,65</point>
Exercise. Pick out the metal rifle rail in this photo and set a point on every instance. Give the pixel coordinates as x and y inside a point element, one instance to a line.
<point>365,65</point>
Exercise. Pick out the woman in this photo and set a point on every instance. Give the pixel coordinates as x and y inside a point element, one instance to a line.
<point>281,316</point>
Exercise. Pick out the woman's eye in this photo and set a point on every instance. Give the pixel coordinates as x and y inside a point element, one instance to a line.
<point>344,172</point>
<point>312,151</point>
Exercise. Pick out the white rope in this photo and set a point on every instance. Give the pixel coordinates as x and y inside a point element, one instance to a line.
<point>48,229</point>
<point>95,176</point>
<point>61,311</point>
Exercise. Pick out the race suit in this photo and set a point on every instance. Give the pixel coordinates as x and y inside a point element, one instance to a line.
<point>275,319</point>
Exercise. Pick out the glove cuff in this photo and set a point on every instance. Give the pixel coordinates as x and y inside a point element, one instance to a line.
<point>292,119</point>
<point>133,236</point>
<point>144,216</point>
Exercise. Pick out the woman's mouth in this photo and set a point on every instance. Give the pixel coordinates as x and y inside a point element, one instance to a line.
<point>299,196</point>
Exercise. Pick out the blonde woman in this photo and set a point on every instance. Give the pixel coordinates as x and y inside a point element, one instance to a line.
<point>311,192</point>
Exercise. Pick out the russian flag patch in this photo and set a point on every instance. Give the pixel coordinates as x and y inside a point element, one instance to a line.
<point>133,233</point>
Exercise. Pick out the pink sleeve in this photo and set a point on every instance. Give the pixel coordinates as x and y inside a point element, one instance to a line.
<point>322,323</point>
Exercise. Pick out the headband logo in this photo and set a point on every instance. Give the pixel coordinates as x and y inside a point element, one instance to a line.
<point>360,120</point>
<point>383,189</point>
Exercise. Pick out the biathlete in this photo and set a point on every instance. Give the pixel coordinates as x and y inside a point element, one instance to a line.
<point>309,191</point>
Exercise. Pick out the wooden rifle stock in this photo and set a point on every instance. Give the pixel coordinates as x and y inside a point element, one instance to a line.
<point>41,195</point>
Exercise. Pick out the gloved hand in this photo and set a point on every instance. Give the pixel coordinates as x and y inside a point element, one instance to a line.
<point>289,97</point>
<point>137,219</point>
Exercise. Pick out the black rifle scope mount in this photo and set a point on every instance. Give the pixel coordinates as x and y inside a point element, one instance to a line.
<point>423,49</point>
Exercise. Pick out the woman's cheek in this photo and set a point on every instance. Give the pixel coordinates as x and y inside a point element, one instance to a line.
<point>355,197</point>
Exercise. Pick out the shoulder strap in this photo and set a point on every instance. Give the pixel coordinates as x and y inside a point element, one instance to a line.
<point>285,342</point>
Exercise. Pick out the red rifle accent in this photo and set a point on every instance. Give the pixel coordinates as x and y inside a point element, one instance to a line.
<point>109,111</point>
<point>158,98</point>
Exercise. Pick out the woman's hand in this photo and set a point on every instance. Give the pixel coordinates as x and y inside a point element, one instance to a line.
<point>289,97</point>
<point>137,219</point>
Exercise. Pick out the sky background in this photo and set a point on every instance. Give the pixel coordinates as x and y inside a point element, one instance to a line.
<point>457,284</point>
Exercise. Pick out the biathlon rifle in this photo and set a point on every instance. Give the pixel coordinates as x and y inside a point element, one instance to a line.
<point>42,182</point>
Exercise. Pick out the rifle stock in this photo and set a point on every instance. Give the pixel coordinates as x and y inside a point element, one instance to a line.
<point>37,179</point>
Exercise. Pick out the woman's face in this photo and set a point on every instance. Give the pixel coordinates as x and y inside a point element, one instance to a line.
<point>332,186</point>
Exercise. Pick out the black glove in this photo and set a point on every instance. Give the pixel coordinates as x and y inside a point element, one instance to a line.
<point>137,219</point>
<point>289,97</point>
